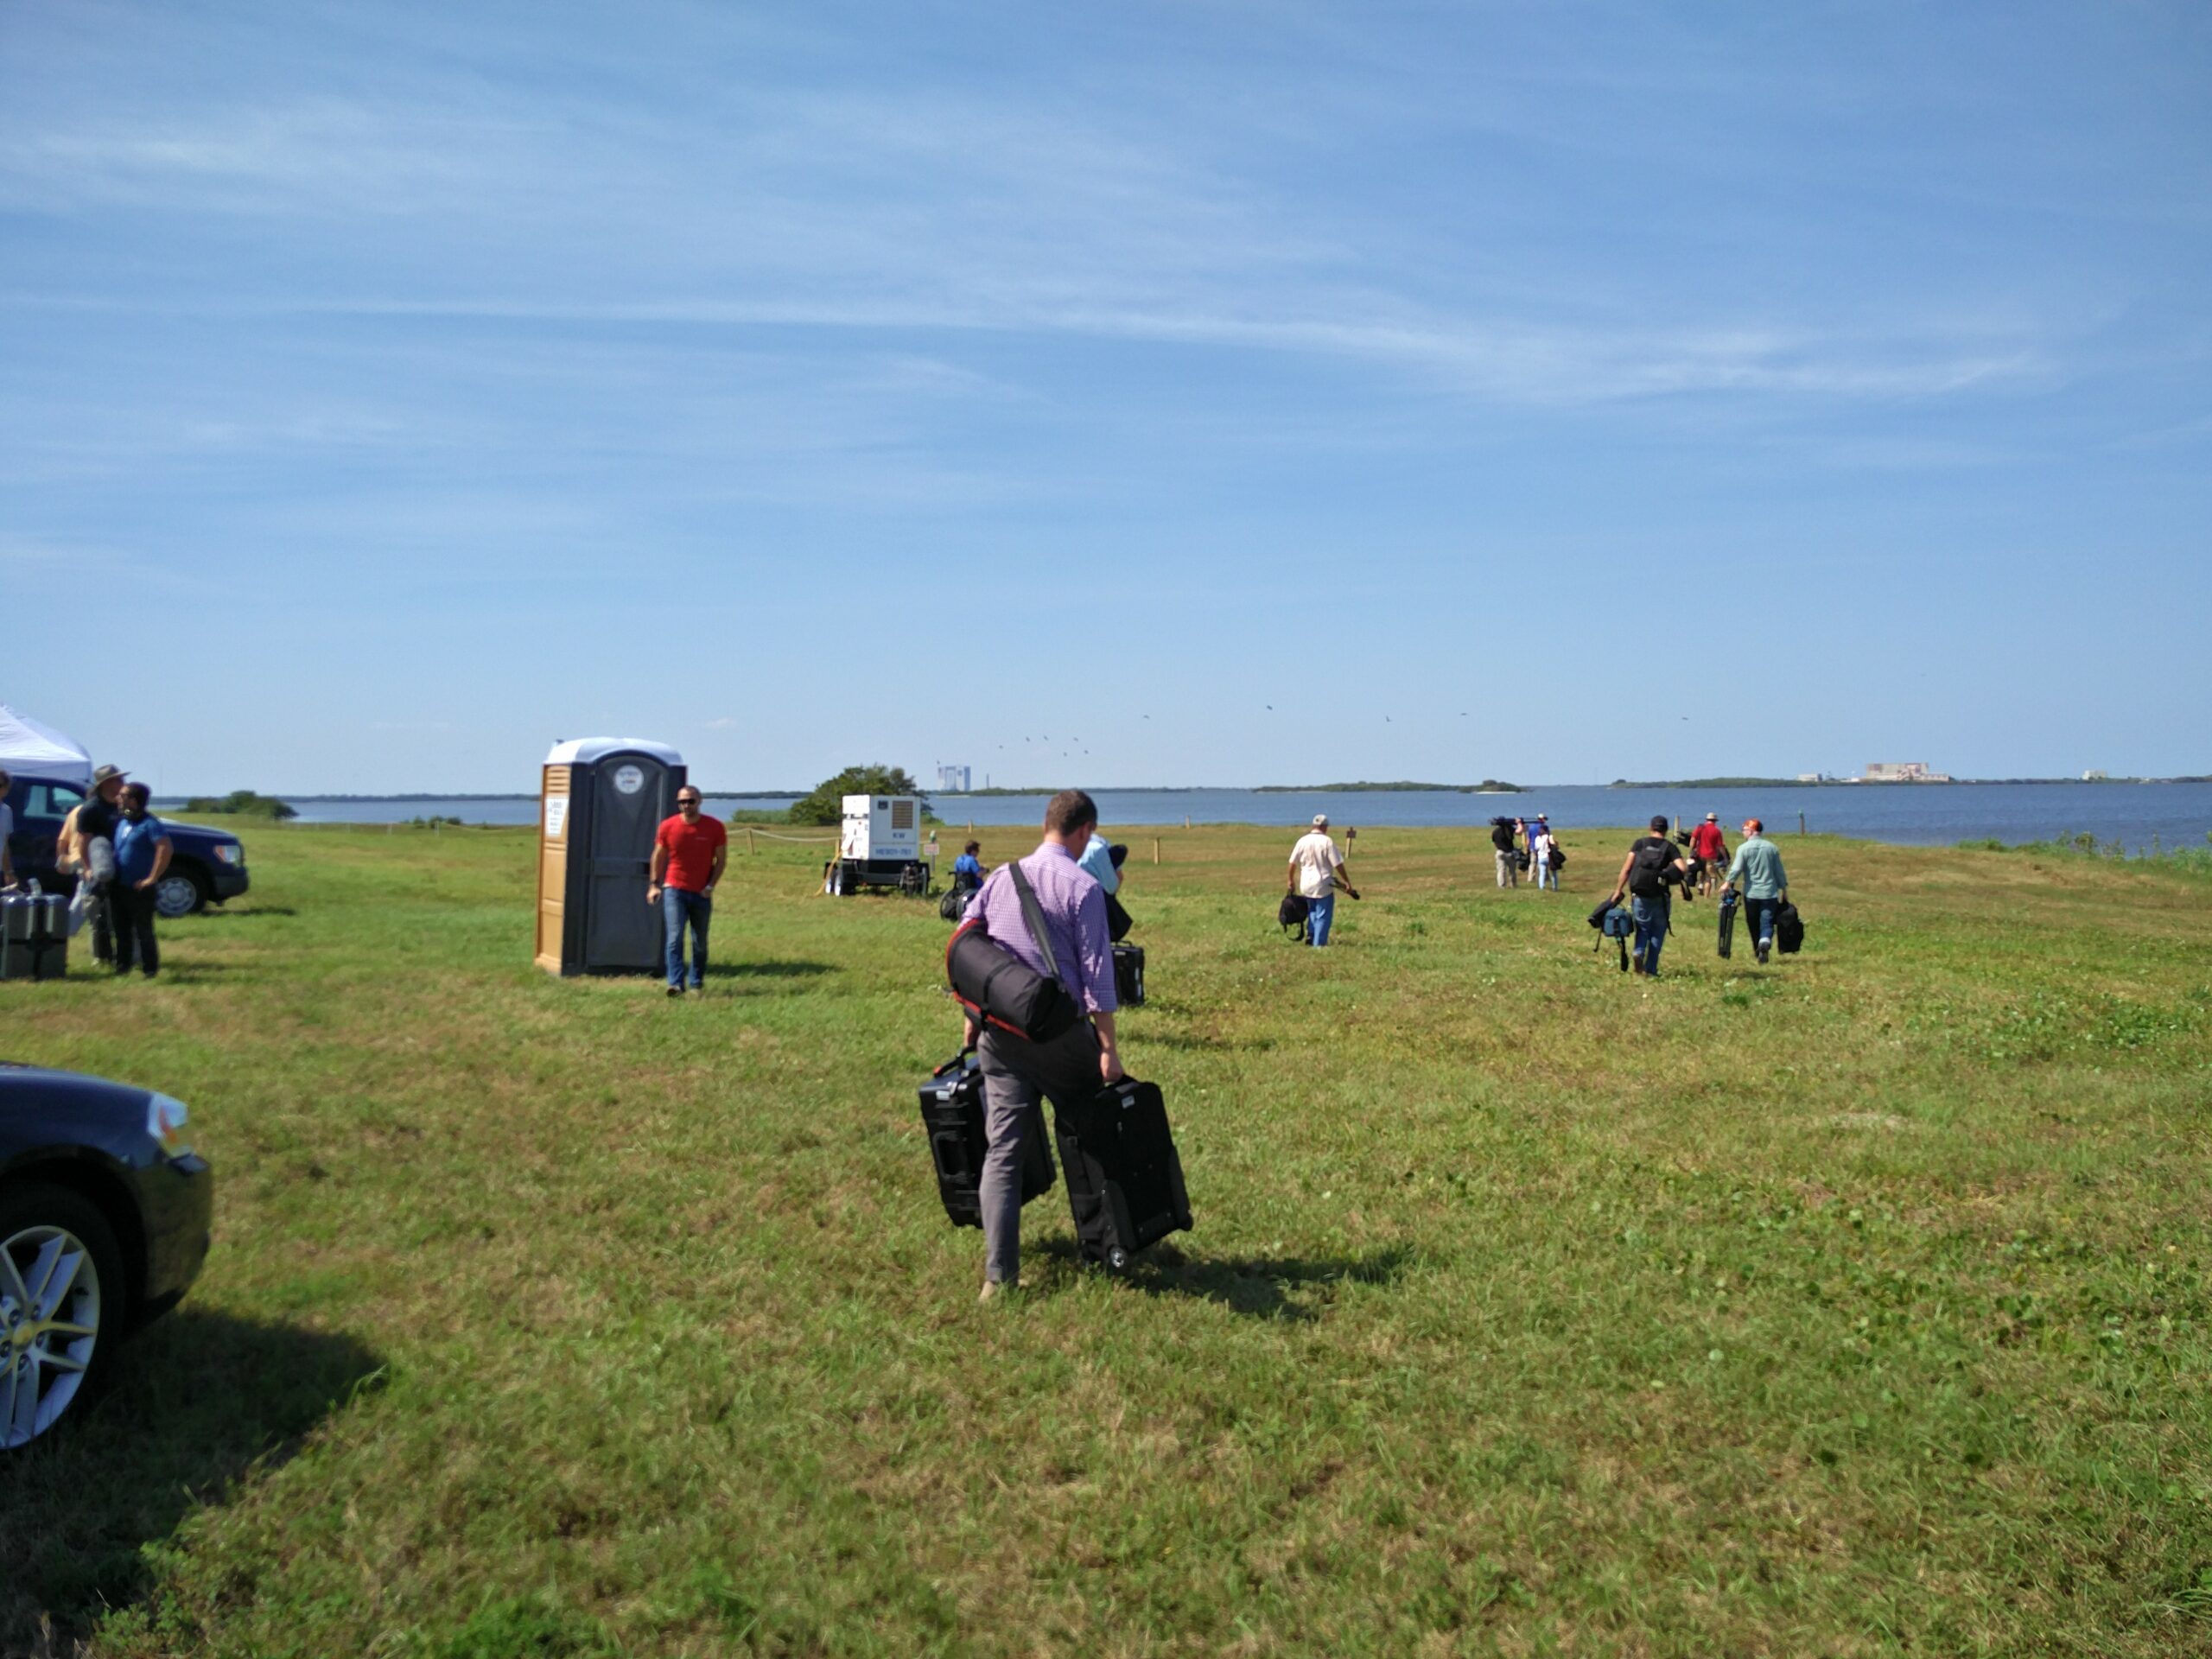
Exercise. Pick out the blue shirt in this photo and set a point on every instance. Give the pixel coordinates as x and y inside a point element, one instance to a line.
<point>1757,873</point>
<point>968,864</point>
<point>1098,860</point>
<point>1075,921</point>
<point>134,847</point>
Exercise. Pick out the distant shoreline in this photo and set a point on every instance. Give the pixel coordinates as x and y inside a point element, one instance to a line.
<point>1489,787</point>
<point>1868,783</point>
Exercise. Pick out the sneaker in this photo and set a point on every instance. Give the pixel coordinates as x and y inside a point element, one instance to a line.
<point>676,990</point>
<point>698,984</point>
<point>1759,952</point>
<point>993,1289</point>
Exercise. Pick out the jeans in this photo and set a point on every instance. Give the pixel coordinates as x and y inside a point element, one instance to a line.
<point>1652,917</point>
<point>1319,913</point>
<point>131,910</point>
<point>1509,870</point>
<point>1758,914</point>
<point>1544,876</point>
<point>1017,1074</point>
<point>679,907</point>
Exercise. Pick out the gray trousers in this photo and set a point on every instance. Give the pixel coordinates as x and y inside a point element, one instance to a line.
<point>1509,870</point>
<point>1017,1073</point>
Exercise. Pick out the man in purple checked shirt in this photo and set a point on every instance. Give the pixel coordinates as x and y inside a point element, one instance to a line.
<point>1073,1067</point>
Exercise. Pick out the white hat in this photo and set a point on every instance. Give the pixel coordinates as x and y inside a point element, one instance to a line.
<point>1320,820</point>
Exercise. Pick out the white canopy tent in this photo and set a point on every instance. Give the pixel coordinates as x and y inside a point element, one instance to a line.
<point>28,749</point>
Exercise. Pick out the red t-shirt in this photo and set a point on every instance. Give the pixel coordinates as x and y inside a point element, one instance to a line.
<point>1707,843</point>
<point>691,849</point>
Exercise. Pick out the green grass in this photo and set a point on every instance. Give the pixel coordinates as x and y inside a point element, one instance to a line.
<point>1858,1304</point>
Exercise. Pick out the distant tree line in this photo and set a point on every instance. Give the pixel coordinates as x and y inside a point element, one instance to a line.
<point>243,803</point>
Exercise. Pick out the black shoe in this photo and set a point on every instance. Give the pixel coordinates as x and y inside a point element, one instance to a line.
<point>676,990</point>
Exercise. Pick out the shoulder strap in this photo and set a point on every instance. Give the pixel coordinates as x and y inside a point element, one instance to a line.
<point>1034,917</point>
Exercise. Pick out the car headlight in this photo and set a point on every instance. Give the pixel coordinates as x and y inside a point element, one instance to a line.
<point>229,852</point>
<point>165,1122</point>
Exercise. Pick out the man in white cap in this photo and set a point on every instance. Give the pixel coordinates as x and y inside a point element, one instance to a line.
<point>1709,853</point>
<point>1317,870</point>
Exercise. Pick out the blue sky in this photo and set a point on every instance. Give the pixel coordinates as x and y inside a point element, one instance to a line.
<point>1552,392</point>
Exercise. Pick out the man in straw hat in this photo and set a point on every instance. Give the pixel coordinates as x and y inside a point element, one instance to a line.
<point>87,845</point>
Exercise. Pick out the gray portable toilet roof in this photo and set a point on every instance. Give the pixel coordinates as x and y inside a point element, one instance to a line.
<point>583,751</point>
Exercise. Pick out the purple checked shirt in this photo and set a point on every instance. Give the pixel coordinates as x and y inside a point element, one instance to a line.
<point>1075,920</point>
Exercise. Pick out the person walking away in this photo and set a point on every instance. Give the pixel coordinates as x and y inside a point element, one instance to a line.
<point>1500,840</point>
<point>688,852</point>
<point>968,869</point>
<point>1073,1067</point>
<point>87,845</point>
<point>7,830</point>
<point>1709,853</point>
<point>142,859</point>
<point>1542,850</point>
<point>1757,875</point>
<point>1643,878</point>
<point>1317,870</point>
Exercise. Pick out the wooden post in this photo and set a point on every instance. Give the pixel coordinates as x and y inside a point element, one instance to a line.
<point>749,847</point>
<point>1155,850</point>
<point>1800,824</point>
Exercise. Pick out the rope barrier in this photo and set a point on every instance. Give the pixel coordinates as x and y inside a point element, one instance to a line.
<point>809,841</point>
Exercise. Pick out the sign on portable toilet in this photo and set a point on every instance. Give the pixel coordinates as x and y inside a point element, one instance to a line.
<point>602,799</point>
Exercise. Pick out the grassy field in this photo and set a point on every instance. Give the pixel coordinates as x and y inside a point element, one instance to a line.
<point>1857,1305</point>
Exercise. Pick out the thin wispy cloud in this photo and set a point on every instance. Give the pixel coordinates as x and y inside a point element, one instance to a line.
<point>1376,349</point>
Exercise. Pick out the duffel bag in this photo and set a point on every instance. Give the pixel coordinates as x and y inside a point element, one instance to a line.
<point>994,985</point>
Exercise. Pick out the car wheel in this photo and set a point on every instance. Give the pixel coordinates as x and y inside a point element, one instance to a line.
<point>179,894</point>
<point>61,1307</point>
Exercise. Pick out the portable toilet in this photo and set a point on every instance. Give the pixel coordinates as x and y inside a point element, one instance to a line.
<point>602,799</point>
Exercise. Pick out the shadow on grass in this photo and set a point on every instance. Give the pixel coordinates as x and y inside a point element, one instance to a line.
<point>252,912</point>
<point>767,969</point>
<point>1290,1289</point>
<point>197,1403</point>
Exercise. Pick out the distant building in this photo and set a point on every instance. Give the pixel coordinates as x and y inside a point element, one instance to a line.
<point>1810,777</point>
<point>953,781</point>
<point>2095,775</point>
<point>1903,771</point>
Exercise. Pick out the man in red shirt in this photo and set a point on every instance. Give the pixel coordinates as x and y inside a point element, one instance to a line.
<point>1710,848</point>
<point>688,854</point>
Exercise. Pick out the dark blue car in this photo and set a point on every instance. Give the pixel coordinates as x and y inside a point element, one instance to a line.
<point>104,1219</point>
<point>206,866</point>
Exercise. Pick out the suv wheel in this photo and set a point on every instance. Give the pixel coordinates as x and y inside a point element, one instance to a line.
<point>61,1307</point>
<point>179,894</point>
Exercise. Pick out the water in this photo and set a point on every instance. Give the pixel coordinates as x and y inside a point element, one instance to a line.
<point>502,810</point>
<point>2177,814</point>
<point>1918,814</point>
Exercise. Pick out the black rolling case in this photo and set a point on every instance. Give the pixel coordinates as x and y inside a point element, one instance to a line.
<point>1125,1181</point>
<point>1788,929</point>
<point>34,936</point>
<point>1728,908</point>
<point>952,1117</point>
<point>1129,975</point>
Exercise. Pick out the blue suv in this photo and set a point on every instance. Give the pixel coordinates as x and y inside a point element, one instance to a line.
<point>205,865</point>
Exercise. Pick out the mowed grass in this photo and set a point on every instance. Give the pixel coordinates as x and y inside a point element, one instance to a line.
<point>1856,1305</point>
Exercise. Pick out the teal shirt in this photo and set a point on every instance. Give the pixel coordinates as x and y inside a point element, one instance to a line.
<point>1756,872</point>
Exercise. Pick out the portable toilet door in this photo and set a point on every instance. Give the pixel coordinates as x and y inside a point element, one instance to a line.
<point>604,798</point>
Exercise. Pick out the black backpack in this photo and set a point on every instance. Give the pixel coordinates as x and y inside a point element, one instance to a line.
<point>1291,913</point>
<point>1655,860</point>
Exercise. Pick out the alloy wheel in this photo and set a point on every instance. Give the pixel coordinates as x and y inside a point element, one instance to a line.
<point>175,896</point>
<point>49,1324</point>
